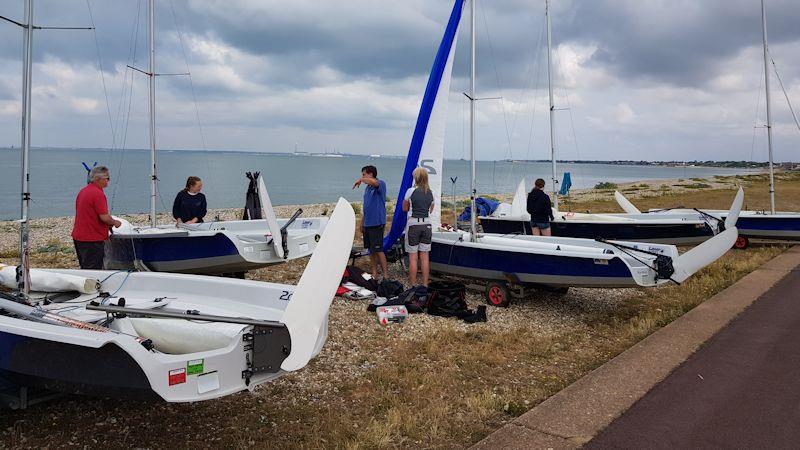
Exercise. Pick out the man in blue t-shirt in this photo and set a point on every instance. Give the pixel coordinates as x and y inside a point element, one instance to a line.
<point>374,221</point>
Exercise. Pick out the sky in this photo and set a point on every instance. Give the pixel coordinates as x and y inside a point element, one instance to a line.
<point>633,79</point>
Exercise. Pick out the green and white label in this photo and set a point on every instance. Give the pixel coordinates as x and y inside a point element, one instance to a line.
<point>194,367</point>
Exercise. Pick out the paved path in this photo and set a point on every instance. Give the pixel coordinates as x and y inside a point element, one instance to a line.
<point>741,390</point>
<point>760,367</point>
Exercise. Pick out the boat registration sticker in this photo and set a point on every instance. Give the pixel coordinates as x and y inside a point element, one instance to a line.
<point>194,367</point>
<point>602,262</point>
<point>177,376</point>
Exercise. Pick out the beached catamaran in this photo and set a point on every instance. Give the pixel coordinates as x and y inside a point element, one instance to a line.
<point>537,260</point>
<point>217,247</point>
<point>174,337</point>
<point>778,225</point>
<point>688,227</point>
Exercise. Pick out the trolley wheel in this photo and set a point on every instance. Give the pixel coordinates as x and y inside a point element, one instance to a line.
<point>741,243</point>
<point>497,294</point>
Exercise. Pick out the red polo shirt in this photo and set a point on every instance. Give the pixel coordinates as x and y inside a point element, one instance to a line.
<point>89,205</point>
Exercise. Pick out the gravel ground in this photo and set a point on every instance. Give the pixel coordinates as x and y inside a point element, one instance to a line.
<point>356,347</point>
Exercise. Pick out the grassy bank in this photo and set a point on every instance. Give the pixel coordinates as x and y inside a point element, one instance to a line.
<point>430,382</point>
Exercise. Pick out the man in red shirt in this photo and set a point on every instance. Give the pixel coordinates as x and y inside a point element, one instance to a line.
<point>92,220</point>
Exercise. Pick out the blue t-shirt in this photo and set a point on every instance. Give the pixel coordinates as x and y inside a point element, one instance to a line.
<point>375,205</point>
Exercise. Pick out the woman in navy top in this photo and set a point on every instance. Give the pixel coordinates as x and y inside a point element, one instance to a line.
<point>190,203</point>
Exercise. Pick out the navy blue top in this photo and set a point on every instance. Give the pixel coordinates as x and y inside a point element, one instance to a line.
<point>539,206</point>
<point>375,205</point>
<point>187,206</point>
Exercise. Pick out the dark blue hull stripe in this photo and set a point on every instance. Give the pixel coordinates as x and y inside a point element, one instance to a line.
<point>527,263</point>
<point>689,233</point>
<point>149,250</point>
<point>785,226</point>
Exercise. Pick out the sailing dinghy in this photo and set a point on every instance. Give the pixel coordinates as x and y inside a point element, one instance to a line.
<point>687,228</point>
<point>175,337</point>
<point>778,225</point>
<point>218,247</point>
<point>531,260</point>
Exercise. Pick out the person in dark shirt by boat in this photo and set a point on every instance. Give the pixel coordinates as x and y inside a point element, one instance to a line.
<point>540,209</point>
<point>190,204</point>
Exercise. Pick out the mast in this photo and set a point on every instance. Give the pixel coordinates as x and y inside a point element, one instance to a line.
<point>152,76</point>
<point>769,108</point>
<point>552,105</point>
<point>24,228</point>
<point>472,189</point>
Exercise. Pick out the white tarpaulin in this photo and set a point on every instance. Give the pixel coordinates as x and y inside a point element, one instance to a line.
<point>45,281</point>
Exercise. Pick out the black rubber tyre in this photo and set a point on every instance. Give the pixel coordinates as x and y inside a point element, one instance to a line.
<point>741,243</point>
<point>497,294</point>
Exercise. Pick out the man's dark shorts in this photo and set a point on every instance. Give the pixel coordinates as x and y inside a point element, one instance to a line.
<point>373,238</point>
<point>90,254</point>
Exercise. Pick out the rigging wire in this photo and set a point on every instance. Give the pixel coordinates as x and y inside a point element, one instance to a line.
<point>788,102</point>
<point>103,80</point>
<point>560,71</point>
<point>574,135</point>
<point>499,84</point>
<point>126,117</point>
<point>532,68</point>
<point>536,85</point>
<point>755,119</point>
<point>194,95</point>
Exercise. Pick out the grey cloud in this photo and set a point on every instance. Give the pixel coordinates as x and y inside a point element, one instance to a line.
<point>683,42</point>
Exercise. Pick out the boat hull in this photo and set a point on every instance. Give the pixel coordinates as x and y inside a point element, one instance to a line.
<point>107,371</point>
<point>675,233</point>
<point>213,249</point>
<point>528,268</point>
<point>112,363</point>
<point>764,226</point>
<point>210,255</point>
<point>755,224</point>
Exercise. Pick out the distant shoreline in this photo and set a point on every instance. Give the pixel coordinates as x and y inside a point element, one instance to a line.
<point>618,162</point>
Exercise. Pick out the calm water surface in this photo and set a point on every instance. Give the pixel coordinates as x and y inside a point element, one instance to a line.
<point>57,175</point>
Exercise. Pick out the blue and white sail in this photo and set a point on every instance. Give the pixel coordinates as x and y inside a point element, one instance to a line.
<point>427,143</point>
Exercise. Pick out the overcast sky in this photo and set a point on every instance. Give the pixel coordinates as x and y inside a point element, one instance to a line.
<point>635,79</point>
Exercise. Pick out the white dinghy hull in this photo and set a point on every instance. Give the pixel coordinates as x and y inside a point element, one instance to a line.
<point>230,335</point>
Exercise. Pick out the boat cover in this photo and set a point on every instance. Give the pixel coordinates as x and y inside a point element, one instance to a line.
<point>46,281</point>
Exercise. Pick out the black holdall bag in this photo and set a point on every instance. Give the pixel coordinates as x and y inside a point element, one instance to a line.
<point>447,298</point>
<point>389,288</point>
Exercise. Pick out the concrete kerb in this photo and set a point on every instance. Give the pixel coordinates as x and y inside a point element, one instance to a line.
<point>575,415</point>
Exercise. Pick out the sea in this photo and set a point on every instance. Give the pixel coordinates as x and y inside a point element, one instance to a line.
<point>58,174</point>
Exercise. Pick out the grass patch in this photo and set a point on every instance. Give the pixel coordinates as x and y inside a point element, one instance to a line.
<point>605,186</point>
<point>54,246</point>
<point>9,254</point>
